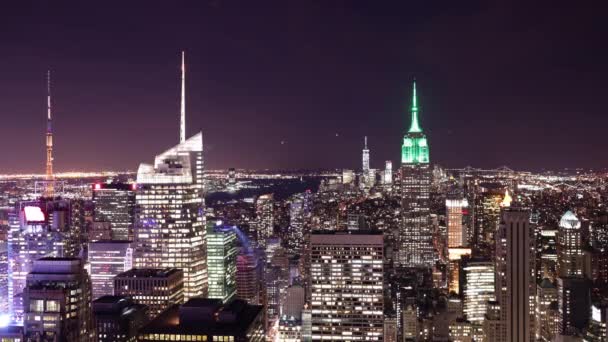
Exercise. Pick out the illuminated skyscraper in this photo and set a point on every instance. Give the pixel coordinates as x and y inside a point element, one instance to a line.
<point>598,325</point>
<point>298,211</point>
<point>365,158</point>
<point>365,171</point>
<point>478,289</point>
<point>546,311</point>
<point>248,278</point>
<point>347,286</point>
<point>569,246</point>
<point>516,274</point>
<point>387,179</point>
<point>114,203</point>
<point>264,212</point>
<point>416,233</point>
<point>170,226</point>
<point>107,259</point>
<point>221,262</point>
<point>56,301</point>
<point>4,307</point>
<point>156,288</point>
<point>456,230</point>
<point>36,231</point>
<point>170,221</point>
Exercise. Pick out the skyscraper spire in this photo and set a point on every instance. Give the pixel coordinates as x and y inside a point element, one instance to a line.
<point>182,126</point>
<point>365,158</point>
<point>50,189</point>
<point>415,127</point>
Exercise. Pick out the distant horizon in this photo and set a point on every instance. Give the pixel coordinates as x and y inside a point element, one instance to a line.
<point>97,173</point>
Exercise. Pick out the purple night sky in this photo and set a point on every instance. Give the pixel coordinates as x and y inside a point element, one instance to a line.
<point>500,83</point>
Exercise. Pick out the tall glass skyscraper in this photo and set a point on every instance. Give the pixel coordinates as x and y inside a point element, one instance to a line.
<point>36,231</point>
<point>221,262</point>
<point>114,203</point>
<point>264,212</point>
<point>108,258</point>
<point>170,222</point>
<point>415,236</point>
<point>569,246</point>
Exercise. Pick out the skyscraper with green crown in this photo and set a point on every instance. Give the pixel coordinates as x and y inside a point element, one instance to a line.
<point>415,234</point>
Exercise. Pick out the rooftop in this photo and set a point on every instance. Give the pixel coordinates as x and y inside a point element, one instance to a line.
<point>206,316</point>
<point>149,273</point>
<point>569,221</point>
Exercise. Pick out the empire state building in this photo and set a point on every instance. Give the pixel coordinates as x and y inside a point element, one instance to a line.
<point>415,233</point>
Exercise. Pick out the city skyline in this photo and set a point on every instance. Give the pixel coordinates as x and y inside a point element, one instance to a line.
<point>109,85</point>
<point>340,171</point>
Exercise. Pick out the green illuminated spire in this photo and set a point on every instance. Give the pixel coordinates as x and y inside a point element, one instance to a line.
<point>415,148</point>
<point>415,127</point>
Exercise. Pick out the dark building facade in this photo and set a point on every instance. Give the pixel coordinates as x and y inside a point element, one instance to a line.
<point>202,319</point>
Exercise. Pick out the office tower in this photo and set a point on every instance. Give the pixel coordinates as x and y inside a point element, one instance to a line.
<point>461,331</point>
<point>306,324</point>
<point>365,179</point>
<point>107,259</point>
<point>515,273</point>
<point>365,158</point>
<point>487,212</point>
<point>276,280</point>
<point>156,288</point>
<point>390,330</point>
<point>4,306</point>
<point>493,324</point>
<point>387,179</point>
<point>264,213</point>
<point>455,204</point>
<point>546,311</point>
<point>293,301</point>
<point>170,226</point>
<point>348,176</point>
<point>547,252</point>
<point>410,323</point>
<point>573,304</point>
<point>248,278</point>
<point>416,233</point>
<point>115,203</point>
<point>49,190</point>
<point>202,319</point>
<point>297,215</point>
<point>11,333</point>
<point>478,289</point>
<point>117,318</point>
<point>598,324</point>
<point>31,236</point>
<point>347,285</point>
<point>454,266</point>
<point>221,262</point>
<point>290,330</point>
<point>170,217</point>
<point>356,222</point>
<point>569,246</point>
<point>56,301</point>
<point>599,243</point>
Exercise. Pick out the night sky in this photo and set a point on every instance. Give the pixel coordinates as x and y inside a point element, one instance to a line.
<point>499,83</point>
